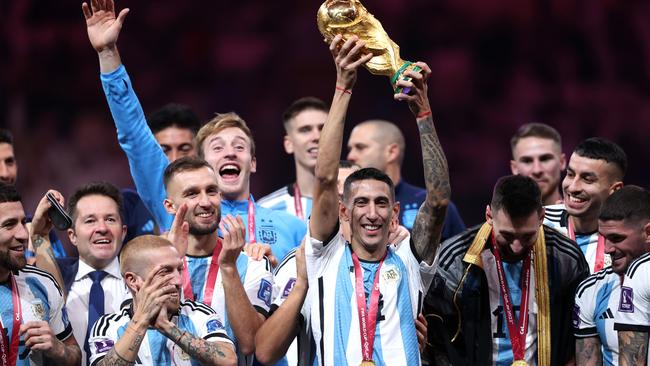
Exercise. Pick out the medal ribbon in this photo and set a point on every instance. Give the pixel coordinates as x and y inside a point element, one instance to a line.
<point>367,320</point>
<point>251,221</point>
<point>10,353</point>
<point>297,201</point>
<point>209,282</point>
<point>517,331</point>
<point>600,247</point>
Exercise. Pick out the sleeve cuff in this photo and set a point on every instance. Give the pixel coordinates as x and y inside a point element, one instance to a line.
<point>65,334</point>
<point>115,74</point>
<point>261,311</point>
<point>632,327</point>
<point>585,332</point>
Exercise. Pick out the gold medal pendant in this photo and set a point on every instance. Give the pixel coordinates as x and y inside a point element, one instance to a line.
<point>519,363</point>
<point>368,363</point>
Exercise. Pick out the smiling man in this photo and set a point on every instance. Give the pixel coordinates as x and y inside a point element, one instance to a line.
<point>303,122</point>
<point>34,327</point>
<point>537,153</point>
<point>225,142</point>
<point>596,169</point>
<point>504,288</point>
<point>624,223</point>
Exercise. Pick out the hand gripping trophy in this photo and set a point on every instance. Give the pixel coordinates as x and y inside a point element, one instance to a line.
<point>350,17</point>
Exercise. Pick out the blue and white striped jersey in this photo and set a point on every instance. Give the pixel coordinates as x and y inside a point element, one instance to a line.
<point>283,200</point>
<point>333,309</point>
<point>596,302</point>
<point>501,344</point>
<point>194,318</point>
<point>556,217</point>
<point>41,299</point>
<point>633,310</point>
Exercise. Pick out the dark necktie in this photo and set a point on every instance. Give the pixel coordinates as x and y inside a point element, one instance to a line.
<point>95,306</point>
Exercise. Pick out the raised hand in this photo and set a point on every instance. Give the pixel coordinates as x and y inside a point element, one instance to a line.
<point>347,58</point>
<point>41,223</point>
<point>179,232</point>
<point>102,25</point>
<point>258,251</point>
<point>418,100</point>
<point>233,240</point>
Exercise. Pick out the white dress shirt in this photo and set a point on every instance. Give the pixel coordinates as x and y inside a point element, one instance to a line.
<point>115,293</point>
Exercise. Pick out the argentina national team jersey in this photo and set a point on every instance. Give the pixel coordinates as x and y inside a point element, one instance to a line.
<point>283,200</point>
<point>333,309</point>
<point>633,310</point>
<point>501,344</point>
<point>194,318</point>
<point>556,217</point>
<point>302,350</point>
<point>596,302</point>
<point>280,230</point>
<point>256,278</point>
<point>41,299</point>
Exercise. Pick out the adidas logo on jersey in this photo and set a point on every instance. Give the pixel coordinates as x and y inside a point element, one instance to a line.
<point>606,314</point>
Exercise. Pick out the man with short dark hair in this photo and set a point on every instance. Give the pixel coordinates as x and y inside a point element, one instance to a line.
<point>174,126</point>
<point>596,169</point>
<point>92,282</point>
<point>158,328</point>
<point>537,153</point>
<point>218,273</point>
<point>624,222</point>
<point>303,122</point>
<point>511,262</point>
<point>34,326</point>
<point>380,144</point>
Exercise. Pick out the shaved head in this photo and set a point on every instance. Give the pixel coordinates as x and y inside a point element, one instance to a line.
<point>376,143</point>
<point>136,254</point>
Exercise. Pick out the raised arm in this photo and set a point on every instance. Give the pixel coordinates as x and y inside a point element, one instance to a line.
<point>324,214</point>
<point>39,230</point>
<point>431,216</point>
<point>146,158</point>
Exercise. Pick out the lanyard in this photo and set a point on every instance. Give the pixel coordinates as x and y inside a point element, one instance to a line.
<point>10,354</point>
<point>297,201</point>
<point>209,282</point>
<point>251,221</point>
<point>367,320</point>
<point>600,247</point>
<point>517,331</point>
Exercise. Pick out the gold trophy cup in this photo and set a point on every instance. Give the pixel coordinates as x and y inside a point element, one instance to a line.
<point>350,17</point>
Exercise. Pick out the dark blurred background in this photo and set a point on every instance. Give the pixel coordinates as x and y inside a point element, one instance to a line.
<point>582,66</point>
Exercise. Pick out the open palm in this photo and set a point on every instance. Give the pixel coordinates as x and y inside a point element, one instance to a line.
<point>102,25</point>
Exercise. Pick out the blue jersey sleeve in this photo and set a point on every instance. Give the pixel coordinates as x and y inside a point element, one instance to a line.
<point>146,158</point>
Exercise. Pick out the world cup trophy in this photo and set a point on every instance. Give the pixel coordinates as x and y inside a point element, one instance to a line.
<point>350,17</point>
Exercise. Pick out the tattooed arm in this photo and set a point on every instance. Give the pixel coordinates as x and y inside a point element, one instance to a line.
<point>588,351</point>
<point>206,352</point>
<point>125,351</point>
<point>632,348</point>
<point>430,218</point>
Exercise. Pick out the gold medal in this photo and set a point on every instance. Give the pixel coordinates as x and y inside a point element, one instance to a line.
<point>519,363</point>
<point>367,363</point>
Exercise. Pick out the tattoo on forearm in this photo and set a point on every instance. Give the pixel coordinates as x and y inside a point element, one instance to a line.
<point>112,358</point>
<point>135,346</point>
<point>197,348</point>
<point>588,352</point>
<point>37,241</point>
<point>430,217</point>
<point>633,348</point>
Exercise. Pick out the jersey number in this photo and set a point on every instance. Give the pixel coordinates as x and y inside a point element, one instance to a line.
<point>501,328</point>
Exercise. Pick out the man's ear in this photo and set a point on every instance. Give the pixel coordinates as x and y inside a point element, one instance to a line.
<point>288,144</point>
<point>133,281</point>
<point>72,236</point>
<point>488,214</point>
<point>646,230</point>
<point>392,151</point>
<point>169,206</point>
<point>253,164</point>
<point>563,161</point>
<point>513,167</point>
<point>615,187</point>
<point>344,214</point>
<point>394,222</point>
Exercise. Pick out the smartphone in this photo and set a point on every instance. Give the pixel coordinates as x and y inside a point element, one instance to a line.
<point>60,219</point>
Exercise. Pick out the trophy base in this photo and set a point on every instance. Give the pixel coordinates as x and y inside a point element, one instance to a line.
<point>399,75</point>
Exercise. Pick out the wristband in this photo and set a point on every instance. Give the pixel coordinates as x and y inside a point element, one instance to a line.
<point>423,114</point>
<point>348,91</point>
